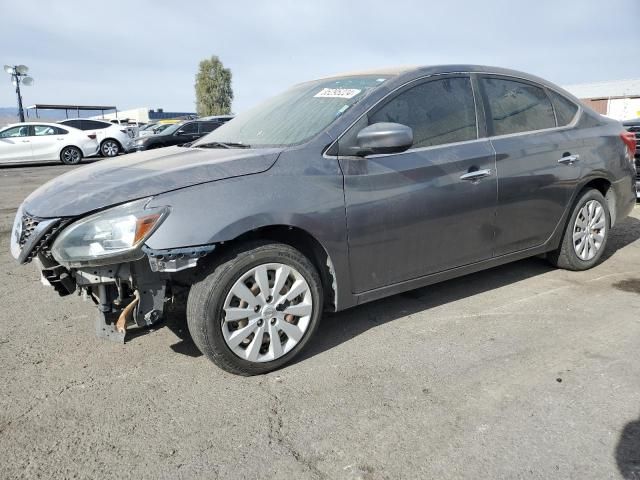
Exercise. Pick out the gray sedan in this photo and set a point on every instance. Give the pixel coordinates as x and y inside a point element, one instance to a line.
<point>337,192</point>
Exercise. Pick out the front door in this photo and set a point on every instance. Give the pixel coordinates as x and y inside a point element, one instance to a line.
<point>15,144</point>
<point>430,208</point>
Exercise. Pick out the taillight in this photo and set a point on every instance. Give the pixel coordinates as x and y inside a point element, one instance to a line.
<point>123,131</point>
<point>92,136</point>
<point>629,139</point>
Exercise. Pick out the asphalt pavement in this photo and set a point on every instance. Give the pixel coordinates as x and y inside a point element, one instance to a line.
<point>522,371</point>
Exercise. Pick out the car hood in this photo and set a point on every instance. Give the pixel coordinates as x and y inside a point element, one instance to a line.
<point>139,175</point>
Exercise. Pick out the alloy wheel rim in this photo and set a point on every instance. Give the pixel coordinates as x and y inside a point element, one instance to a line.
<point>589,230</point>
<point>110,149</point>
<point>267,312</point>
<point>71,155</point>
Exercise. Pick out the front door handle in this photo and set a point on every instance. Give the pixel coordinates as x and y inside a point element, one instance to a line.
<point>476,175</point>
<point>569,159</point>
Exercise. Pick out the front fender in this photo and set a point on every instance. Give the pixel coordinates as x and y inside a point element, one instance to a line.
<point>304,194</point>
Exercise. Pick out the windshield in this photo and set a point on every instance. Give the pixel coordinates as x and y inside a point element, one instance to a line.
<point>296,115</point>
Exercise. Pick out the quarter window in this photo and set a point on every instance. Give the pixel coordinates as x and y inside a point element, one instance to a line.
<point>438,111</point>
<point>565,109</point>
<point>517,107</point>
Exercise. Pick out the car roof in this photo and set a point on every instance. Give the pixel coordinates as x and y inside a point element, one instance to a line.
<point>48,124</point>
<point>92,119</point>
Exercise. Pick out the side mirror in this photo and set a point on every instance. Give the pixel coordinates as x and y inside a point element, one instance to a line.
<point>181,132</point>
<point>384,137</point>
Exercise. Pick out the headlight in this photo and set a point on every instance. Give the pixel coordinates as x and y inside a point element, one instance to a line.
<point>16,233</point>
<point>107,236</point>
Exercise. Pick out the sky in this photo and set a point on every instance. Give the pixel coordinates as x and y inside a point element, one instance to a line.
<point>145,53</point>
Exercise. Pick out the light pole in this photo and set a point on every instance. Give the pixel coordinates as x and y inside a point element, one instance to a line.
<point>19,75</point>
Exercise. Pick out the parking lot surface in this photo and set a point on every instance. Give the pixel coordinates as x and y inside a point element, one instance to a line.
<point>521,371</point>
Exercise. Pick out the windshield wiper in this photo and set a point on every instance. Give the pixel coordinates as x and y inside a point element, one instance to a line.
<point>223,145</point>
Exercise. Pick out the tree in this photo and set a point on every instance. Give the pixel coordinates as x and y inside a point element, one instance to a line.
<point>213,88</point>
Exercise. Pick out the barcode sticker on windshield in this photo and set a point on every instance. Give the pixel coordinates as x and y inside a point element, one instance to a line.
<point>337,93</point>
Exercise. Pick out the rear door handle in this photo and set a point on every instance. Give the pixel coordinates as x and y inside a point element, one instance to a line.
<point>569,159</point>
<point>476,175</point>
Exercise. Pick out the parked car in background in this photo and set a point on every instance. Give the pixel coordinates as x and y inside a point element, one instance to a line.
<point>113,139</point>
<point>37,142</point>
<point>634,127</point>
<point>177,134</point>
<point>337,192</point>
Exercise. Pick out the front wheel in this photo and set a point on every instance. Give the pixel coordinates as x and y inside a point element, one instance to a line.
<point>71,155</point>
<point>586,234</point>
<point>110,148</point>
<point>256,309</point>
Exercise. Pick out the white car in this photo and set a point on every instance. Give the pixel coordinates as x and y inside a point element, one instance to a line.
<point>37,142</point>
<point>113,139</point>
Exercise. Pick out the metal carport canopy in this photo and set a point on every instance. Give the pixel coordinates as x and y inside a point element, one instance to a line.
<point>77,108</point>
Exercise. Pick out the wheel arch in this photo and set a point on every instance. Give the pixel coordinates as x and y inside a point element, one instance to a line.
<point>110,138</point>
<point>299,239</point>
<point>604,186</point>
<point>70,145</point>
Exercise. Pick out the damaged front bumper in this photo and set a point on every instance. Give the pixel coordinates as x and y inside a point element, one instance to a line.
<point>131,293</point>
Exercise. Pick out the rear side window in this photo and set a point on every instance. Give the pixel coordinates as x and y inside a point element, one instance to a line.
<point>41,130</point>
<point>439,111</point>
<point>206,127</point>
<point>565,109</point>
<point>189,128</point>
<point>516,106</point>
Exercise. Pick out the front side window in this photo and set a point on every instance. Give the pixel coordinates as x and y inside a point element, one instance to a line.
<point>21,131</point>
<point>516,107</point>
<point>296,115</point>
<point>438,111</point>
<point>565,109</point>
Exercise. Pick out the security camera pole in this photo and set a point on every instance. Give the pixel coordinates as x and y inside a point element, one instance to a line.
<point>19,75</point>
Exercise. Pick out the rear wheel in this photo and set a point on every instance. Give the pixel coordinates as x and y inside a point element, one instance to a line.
<point>586,234</point>
<point>71,155</point>
<point>256,309</point>
<point>110,148</point>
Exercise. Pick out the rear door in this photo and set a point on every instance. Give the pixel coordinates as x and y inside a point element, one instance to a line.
<point>535,175</point>
<point>430,208</point>
<point>15,144</point>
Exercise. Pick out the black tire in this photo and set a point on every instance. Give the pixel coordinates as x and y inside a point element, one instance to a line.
<point>565,255</point>
<point>110,148</point>
<point>207,296</point>
<point>71,155</point>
